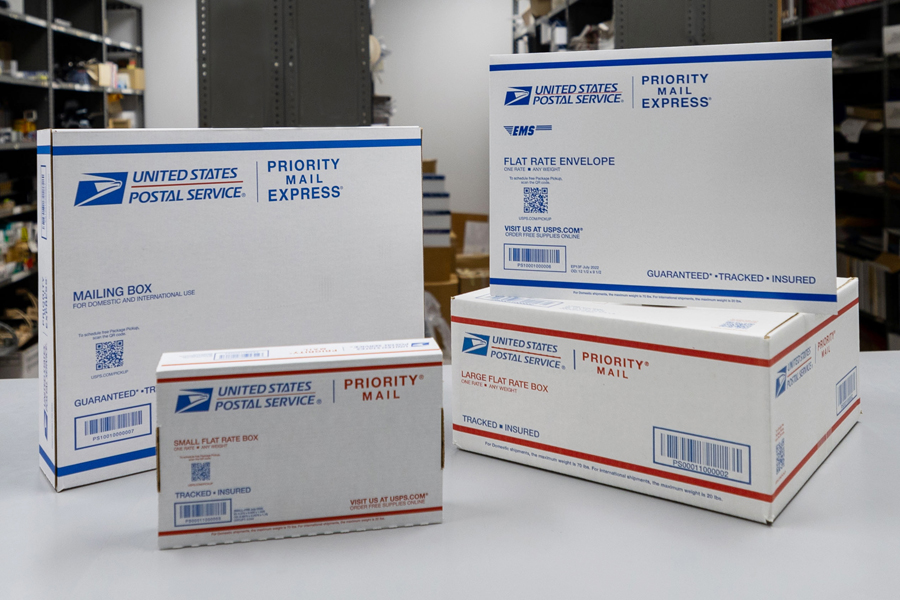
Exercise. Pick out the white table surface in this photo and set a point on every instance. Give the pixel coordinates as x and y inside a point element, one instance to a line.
<point>509,531</point>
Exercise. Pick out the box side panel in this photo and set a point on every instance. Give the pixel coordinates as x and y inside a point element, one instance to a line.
<point>160,240</point>
<point>815,399</point>
<point>46,326</point>
<point>332,451</point>
<point>686,428</point>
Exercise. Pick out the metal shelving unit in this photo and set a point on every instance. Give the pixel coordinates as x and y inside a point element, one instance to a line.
<point>573,14</point>
<point>870,83</point>
<point>299,63</point>
<point>46,34</point>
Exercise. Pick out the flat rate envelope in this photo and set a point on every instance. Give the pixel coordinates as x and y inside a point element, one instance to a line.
<point>691,176</point>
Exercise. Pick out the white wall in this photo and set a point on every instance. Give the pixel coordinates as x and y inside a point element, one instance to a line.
<point>170,63</point>
<point>437,76</point>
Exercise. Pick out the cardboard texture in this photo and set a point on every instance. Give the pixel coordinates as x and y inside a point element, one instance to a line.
<point>473,261</point>
<point>159,240</point>
<point>728,410</point>
<point>664,176</point>
<point>443,291</point>
<point>267,443</point>
<point>473,279</point>
<point>136,78</point>
<point>439,264</point>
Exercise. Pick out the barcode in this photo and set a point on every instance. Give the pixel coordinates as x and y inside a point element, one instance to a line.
<point>243,354</point>
<point>208,509</point>
<point>846,390</point>
<point>202,513</point>
<point>709,454</point>
<point>535,255</point>
<point>113,426</point>
<point>114,422</point>
<point>700,454</point>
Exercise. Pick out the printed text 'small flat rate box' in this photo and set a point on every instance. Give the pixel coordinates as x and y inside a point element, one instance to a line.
<point>698,176</point>
<point>167,240</point>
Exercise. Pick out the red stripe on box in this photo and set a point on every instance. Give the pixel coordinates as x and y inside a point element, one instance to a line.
<point>391,513</point>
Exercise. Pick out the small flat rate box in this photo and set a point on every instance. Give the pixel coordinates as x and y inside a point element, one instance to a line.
<point>160,240</point>
<point>729,410</point>
<point>690,176</point>
<point>300,440</point>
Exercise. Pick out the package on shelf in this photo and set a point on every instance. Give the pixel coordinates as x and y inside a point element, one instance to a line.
<point>103,74</point>
<point>879,283</point>
<point>729,410</point>
<point>575,215</point>
<point>136,80</point>
<point>267,443</point>
<point>159,240</point>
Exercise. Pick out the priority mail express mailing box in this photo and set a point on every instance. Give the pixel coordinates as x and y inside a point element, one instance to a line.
<point>689,176</point>
<point>163,240</point>
<point>729,410</point>
<point>294,441</point>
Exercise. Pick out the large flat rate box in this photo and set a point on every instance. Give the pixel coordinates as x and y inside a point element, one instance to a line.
<point>691,176</point>
<point>165,240</point>
<point>729,410</point>
<point>294,441</point>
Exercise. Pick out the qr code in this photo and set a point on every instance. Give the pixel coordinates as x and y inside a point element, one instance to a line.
<point>779,456</point>
<point>110,355</point>
<point>535,199</point>
<point>200,471</point>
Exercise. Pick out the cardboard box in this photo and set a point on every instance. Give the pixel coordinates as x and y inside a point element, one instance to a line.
<point>439,263</point>
<point>729,410</point>
<point>21,364</point>
<point>159,240</point>
<point>891,39</point>
<point>471,280</point>
<point>136,78</point>
<point>473,261</point>
<point>433,184</point>
<point>103,74</point>
<point>436,222</point>
<point>574,214</point>
<point>270,443</point>
<point>540,8</point>
<point>436,218</point>
<point>892,114</point>
<point>443,291</point>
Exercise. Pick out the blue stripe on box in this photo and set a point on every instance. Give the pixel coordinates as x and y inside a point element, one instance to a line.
<point>106,462</point>
<point>663,60</point>
<point>229,146</point>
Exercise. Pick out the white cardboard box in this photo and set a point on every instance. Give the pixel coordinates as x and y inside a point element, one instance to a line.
<point>285,442</point>
<point>161,240</point>
<point>892,114</point>
<point>697,175</point>
<point>891,39</point>
<point>728,410</point>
